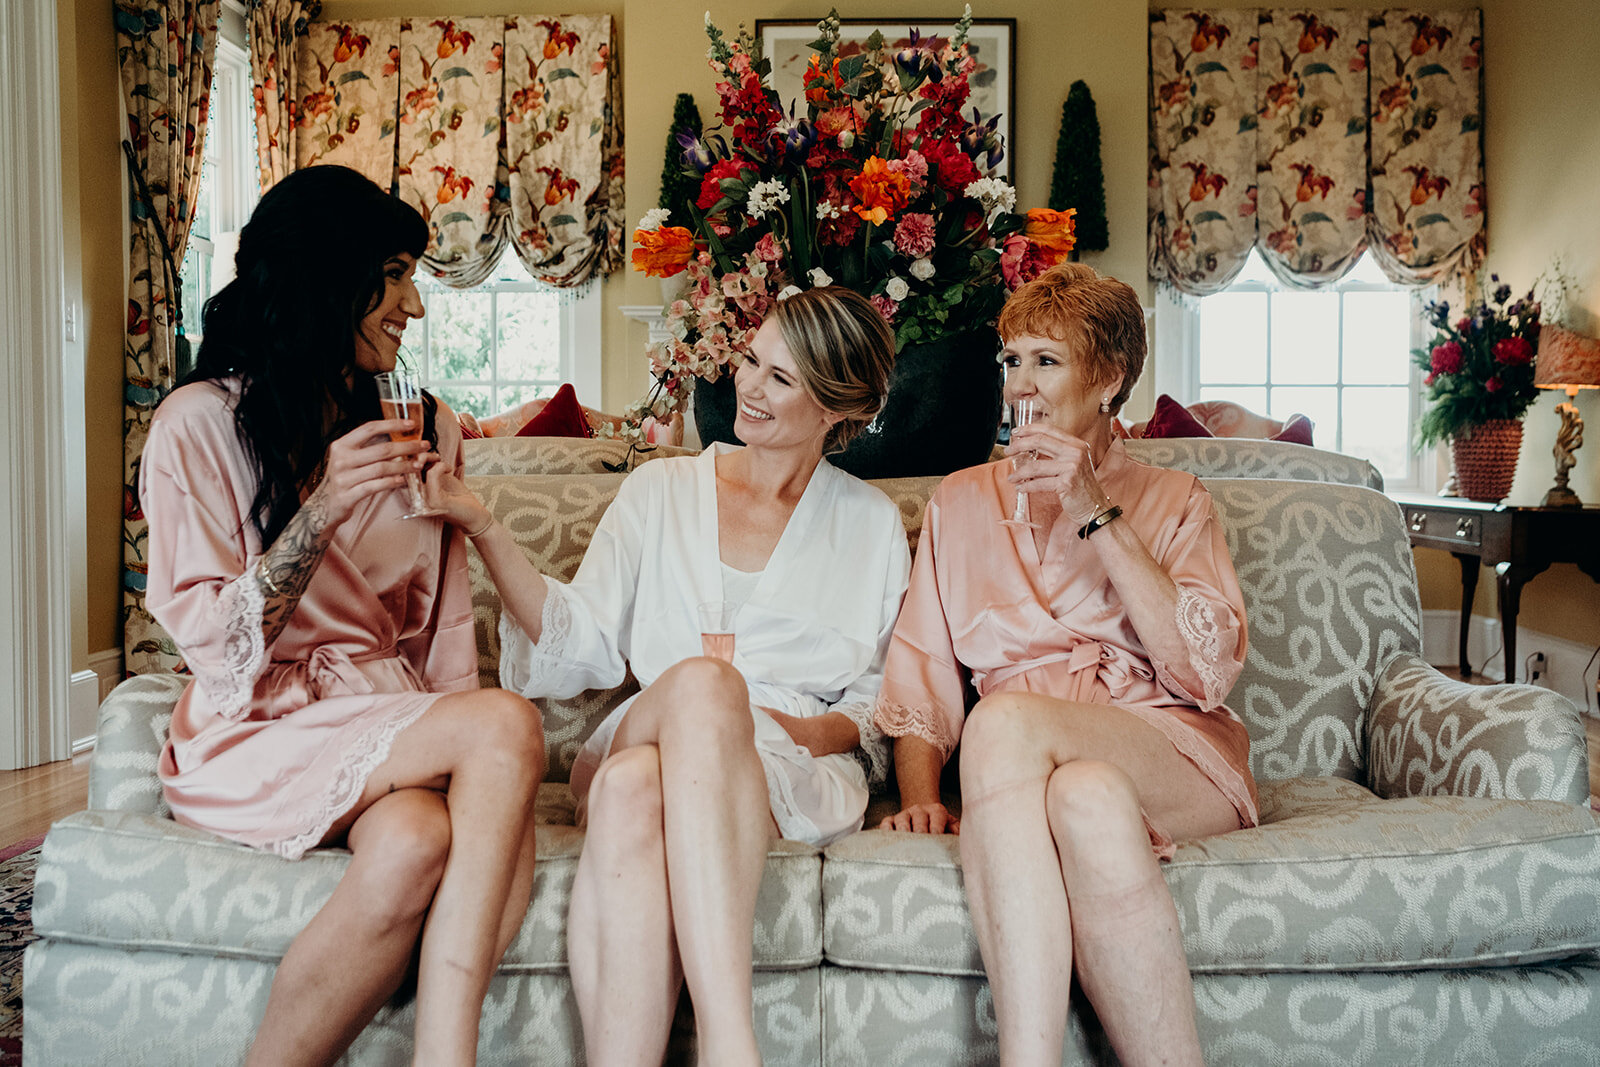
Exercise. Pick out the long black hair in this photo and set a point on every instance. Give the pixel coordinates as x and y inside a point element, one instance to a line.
<point>310,267</point>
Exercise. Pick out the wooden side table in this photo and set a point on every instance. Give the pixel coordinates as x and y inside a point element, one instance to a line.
<point>1518,542</point>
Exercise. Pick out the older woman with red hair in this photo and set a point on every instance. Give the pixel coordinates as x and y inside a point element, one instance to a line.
<point>1101,639</point>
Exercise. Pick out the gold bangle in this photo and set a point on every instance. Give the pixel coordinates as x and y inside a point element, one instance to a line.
<point>265,579</point>
<point>480,531</point>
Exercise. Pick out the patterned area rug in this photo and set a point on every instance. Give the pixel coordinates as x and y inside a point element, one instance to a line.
<point>17,865</point>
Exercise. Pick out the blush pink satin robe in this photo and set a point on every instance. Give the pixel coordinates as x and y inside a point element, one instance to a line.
<point>982,607</point>
<point>270,744</point>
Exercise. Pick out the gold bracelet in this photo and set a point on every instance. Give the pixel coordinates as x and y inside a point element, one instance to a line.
<point>266,579</point>
<point>480,531</point>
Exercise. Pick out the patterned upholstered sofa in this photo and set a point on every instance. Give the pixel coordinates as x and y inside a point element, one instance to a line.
<point>1425,887</point>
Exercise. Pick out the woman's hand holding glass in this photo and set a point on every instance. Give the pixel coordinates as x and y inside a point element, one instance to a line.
<point>364,462</point>
<point>1061,464</point>
<point>450,497</point>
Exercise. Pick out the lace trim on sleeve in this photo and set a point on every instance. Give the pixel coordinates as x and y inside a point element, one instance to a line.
<point>873,751</point>
<point>1203,635</point>
<point>898,720</point>
<point>237,614</point>
<point>530,667</point>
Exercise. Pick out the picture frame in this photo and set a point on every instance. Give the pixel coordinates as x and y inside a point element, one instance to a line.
<point>786,44</point>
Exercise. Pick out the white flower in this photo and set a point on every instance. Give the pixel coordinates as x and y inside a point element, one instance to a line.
<point>897,289</point>
<point>787,291</point>
<point>827,209</point>
<point>994,194</point>
<point>765,197</point>
<point>757,269</point>
<point>922,269</point>
<point>819,277</point>
<point>654,219</point>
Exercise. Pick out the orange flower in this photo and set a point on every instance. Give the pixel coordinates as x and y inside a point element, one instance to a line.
<point>819,85</point>
<point>662,252</point>
<point>882,192</point>
<point>1052,232</point>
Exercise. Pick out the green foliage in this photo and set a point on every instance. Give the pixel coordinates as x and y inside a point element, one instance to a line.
<point>1078,181</point>
<point>679,185</point>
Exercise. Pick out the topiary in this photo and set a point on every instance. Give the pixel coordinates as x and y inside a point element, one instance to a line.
<point>678,188</point>
<point>1079,181</point>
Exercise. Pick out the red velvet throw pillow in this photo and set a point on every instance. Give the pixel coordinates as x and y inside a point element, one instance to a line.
<point>1172,419</point>
<point>561,416</point>
<point>1297,431</point>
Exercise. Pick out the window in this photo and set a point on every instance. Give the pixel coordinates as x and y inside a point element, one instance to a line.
<point>487,349</point>
<point>1340,356</point>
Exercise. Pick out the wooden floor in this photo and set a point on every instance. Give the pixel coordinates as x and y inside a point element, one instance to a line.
<point>32,799</point>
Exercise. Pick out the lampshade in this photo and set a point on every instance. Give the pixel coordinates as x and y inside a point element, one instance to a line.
<point>1566,360</point>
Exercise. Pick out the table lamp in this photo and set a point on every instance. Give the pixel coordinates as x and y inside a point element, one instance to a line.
<point>1567,361</point>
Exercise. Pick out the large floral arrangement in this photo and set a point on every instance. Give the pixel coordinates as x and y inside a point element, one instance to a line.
<point>1479,365</point>
<point>885,185</point>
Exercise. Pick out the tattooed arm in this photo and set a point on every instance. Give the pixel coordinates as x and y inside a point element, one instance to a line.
<point>362,463</point>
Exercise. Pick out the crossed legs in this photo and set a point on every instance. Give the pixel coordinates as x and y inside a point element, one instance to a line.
<point>665,892</point>
<point>442,854</point>
<point>1060,876</point>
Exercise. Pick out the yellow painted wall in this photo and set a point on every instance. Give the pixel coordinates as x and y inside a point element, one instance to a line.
<point>1543,148</point>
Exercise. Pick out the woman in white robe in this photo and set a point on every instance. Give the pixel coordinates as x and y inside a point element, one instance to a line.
<point>683,786</point>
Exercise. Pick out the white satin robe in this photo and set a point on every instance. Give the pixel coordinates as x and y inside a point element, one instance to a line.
<point>810,639</point>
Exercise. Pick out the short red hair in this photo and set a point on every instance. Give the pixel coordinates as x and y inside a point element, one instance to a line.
<point>1097,317</point>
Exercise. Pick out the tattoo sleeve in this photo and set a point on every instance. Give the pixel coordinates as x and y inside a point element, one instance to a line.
<point>286,568</point>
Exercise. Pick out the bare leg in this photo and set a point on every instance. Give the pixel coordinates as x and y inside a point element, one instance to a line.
<point>1025,897</point>
<point>355,952</point>
<point>716,824</point>
<point>620,939</point>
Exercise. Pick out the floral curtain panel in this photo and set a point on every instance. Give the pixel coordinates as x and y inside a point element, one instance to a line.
<point>275,27</point>
<point>1312,135</point>
<point>165,51</point>
<point>497,129</point>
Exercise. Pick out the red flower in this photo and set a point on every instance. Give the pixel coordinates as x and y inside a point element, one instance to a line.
<point>711,184</point>
<point>1446,358</point>
<point>1513,351</point>
<point>951,168</point>
<point>1494,384</point>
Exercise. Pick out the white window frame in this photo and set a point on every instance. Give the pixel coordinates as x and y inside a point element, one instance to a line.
<point>580,321</point>
<point>1177,360</point>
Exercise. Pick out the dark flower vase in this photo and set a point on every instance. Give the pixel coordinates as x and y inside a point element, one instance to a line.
<point>942,413</point>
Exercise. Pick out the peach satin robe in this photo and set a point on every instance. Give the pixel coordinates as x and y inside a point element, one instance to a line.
<point>270,744</point>
<point>983,607</point>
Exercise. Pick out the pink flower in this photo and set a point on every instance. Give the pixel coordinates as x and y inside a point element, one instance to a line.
<point>1446,358</point>
<point>914,234</point>
<point>913,166</point>
<point>886,307</point>
<point>767,248</point>
<point>1513,351</point>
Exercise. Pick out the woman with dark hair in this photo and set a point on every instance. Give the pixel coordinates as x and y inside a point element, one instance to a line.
<point>335,697</point>
<point>683,786</point>
<point>1101,634</point>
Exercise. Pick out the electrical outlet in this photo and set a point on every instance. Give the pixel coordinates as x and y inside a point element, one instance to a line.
<point>1537,669</point>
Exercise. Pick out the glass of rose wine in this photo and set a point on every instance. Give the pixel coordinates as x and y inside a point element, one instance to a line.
<point>1022,413</point>
<point>716,629</point>
<point>400,396</point>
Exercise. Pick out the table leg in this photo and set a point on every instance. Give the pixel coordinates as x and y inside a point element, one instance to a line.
<point>1510,580</point>
<point>1469,590</point>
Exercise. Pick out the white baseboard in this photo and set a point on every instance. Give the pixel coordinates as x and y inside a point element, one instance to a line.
<point>105,671</point>
<point>1565,661</point>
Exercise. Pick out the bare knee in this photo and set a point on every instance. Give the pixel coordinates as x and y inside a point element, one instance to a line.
<point>508,729</point>
<point>709,699</point>
<point>401,845</point>
<point>625,806</point>
<point>1092,804</point>
<point>999,739</point>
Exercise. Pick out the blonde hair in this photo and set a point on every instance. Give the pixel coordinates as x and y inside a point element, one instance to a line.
<point>1098,317</point>
<point>844,352</point>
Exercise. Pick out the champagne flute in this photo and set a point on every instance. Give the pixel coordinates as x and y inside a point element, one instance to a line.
<point>716,629</point>
<point>400,396</point>
<point>1023,412</point>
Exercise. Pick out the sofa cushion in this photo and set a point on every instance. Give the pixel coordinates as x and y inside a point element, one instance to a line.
<point>1240,457</point>
<point>120,879</point>
<point>555,455</point>
<point>1335,879</point>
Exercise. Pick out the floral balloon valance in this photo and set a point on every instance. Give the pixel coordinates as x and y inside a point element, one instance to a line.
<point>502,129</point>
<point>1314,136</point>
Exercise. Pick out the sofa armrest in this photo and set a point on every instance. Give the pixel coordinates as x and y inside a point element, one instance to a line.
<point>1431,735</point>
<point>128,742</point>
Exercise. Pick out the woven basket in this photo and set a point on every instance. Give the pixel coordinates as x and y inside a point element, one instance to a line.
<point>1486,459</point>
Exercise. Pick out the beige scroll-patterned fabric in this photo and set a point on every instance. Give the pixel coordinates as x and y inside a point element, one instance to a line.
<point>1311,145</point>
<point>1203,146</point>
<point>1427,219</point>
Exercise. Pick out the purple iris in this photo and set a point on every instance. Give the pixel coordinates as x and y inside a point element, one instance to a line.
<point>697,154</point>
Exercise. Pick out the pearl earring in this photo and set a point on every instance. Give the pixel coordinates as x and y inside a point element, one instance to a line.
<point>1105,405</point>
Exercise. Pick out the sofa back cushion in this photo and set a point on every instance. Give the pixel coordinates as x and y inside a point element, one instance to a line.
<point>555,455</point>
<point>1331,597</point>
<point>1239,457</point>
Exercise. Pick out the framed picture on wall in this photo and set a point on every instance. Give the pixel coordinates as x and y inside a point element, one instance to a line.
<point>786,43</point>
